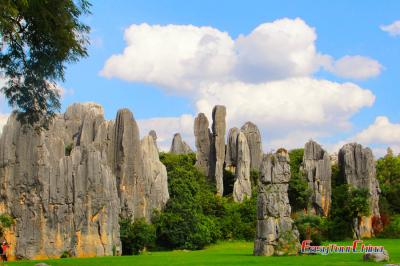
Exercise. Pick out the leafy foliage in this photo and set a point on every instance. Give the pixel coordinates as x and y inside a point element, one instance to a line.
<point>37,39</point>
<point>299,193</point>
<point>392,230</point>
<point>136,236</point>
<point>311,227</point>
<point>6,221</point>
<point>388,174</point>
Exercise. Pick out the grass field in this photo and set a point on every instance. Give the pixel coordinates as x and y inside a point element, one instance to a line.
<point>227,254</point>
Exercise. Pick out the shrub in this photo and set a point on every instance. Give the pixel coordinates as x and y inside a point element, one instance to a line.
<point>68,149</point>
<point>6,221</point>
<point>311,227</point>
<point>65,255</point>
<point>136,236</point>
<point>299,193</point>
<point>392,230</point>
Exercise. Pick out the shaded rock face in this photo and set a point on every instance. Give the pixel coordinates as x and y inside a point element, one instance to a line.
<point>203,138</point>
<point>357,166</point>
<point>218,147</point>
<point>253,136</point>
<point>275,234</point>
<point>67,186</point>
<point>231,150</point>
<point>317,172</point>
<point>242,185</point>
<point>178,146</point>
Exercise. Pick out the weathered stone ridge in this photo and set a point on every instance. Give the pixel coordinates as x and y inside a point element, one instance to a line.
<point>179,146</point>
<point>357,167</point>
<point>231,150</point>
<point>275,233</point>
<point>253,136</point>
<point>317,171</point>
<point>67,186</point>
<point>242,185</point>
<point>203,138</point>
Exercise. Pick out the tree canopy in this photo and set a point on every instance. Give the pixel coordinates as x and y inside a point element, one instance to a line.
<point>37,39</point>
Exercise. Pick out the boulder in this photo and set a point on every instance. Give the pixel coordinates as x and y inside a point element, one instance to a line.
<point>178,146</point>
<point>317,171</point>
<point>377,257</point>
<point>242,185</point>
<point>357,167</point>
<point>275,232</point>
<point>253,136</point>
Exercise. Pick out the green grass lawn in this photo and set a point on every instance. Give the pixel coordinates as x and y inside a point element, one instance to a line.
<point>227,254</point>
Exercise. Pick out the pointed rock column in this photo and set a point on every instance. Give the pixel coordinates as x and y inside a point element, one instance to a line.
<point>357,167</point>
<point>218,147</point>
<point>317,171</point>
<point>203,138</point>
<point>231,150</point>
<point>253,136</point>
<point>275,234</point>
<point>242,185</point>
<point>127,162</point>
<point>153,134</point>
<point>179,146</point>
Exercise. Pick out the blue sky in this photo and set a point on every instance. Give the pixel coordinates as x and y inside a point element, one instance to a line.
<point>341,28</point>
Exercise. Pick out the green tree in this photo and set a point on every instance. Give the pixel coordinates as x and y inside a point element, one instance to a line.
<point>299,193</point>
<point>37,39</point>
<point>388,174</point>
<point>136,236</point>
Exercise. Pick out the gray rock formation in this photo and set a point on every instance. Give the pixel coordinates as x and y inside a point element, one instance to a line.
<point>153,134</point>
<point>67,186</point>
<point>203,138</point>
<point>357,167</point>
<point>254,140</point>
<point>231,150</point>
<point>218,147</point>
<point>242,185</point>
<point>275,234</point>
<point>317,172</point>
<point>178,146</point>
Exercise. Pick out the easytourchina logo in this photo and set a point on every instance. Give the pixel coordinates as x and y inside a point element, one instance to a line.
<point>357,247</point>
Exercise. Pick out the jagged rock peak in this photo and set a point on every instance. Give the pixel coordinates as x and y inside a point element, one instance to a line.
<point>317,172</point>
<point>203,143</point>
<point>179,146</point>
<point>231,149</point>
<point>357,167</point>
<point>153,134</point>
<point>242,185</point>
<point>255,144</point>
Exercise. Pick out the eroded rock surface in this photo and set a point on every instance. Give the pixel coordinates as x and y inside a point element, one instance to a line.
<point>357,167</point>
<point>231,150</point>
<point>317,171</point>
<point>242,185</point>
<point>179,146</point>
<point>275,234</point>
<point>203,138</point>
<point>67,186</point>
<point>218,147</point>
<point>253,136</point>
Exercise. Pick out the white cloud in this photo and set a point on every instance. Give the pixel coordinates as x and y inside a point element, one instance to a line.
<point>166,127</point>
<point>393,29</point>
<point>282,108</point>
<point>355,67</point>
<point>177,57</point>
<point>280,49</point>
<point>379,135</point>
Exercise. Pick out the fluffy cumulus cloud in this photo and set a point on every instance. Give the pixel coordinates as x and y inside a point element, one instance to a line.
<point>265,76</point>
<point>166,127</point>
<point>393,29</point>
<point>176,57</point>
<point>380,135</point>
<point>355,67</point>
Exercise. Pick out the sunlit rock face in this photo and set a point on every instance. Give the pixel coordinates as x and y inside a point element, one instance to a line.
<point>67,186</point>
<point>179,146</point>
<point>275,233</point>
<point>357,167</point>
<point>317,171</point>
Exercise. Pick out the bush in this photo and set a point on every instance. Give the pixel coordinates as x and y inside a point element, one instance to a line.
<point>136,236</point>
<point>299,193</point>
<point>65,255</point>
<point>392,230</point>
<point>311,227</point>
<point>6,221</point>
